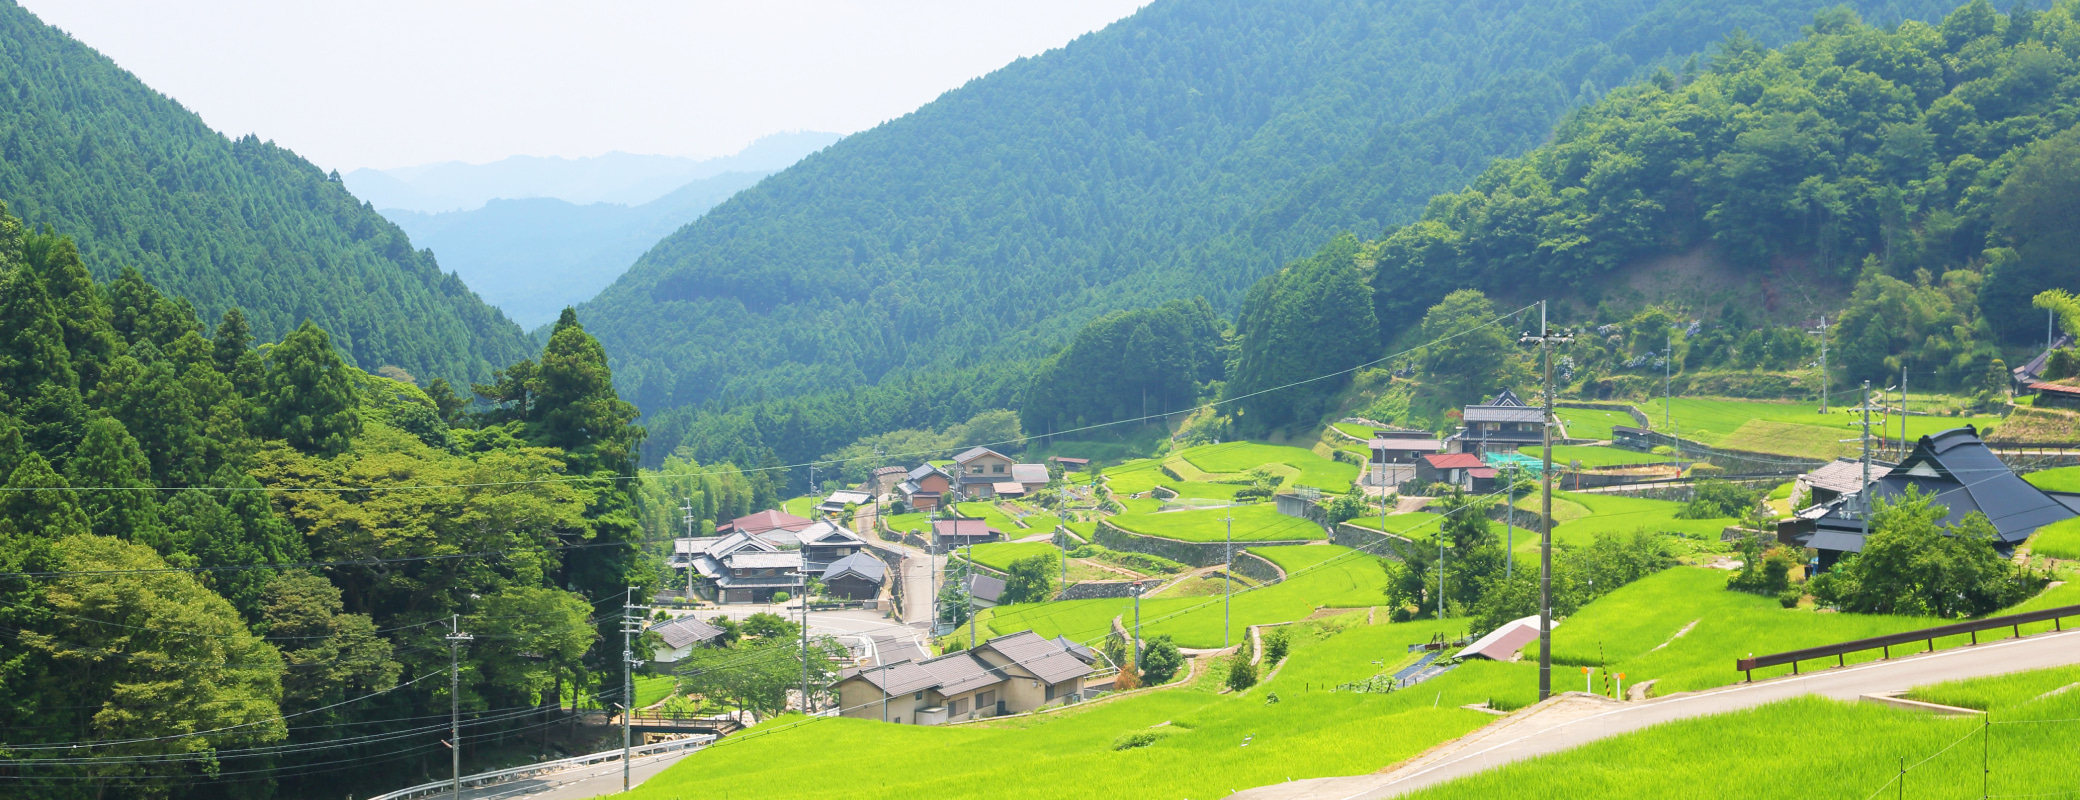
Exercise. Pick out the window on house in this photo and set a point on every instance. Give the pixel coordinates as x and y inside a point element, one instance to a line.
<point>986,700</point>
<point>1050,691</point>
<point>958,707</point>
<point>997,468</point>
<point>920,695</point>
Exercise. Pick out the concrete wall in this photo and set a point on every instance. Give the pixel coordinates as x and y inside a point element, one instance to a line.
<point>863,701</point>
<point>1198,554</point>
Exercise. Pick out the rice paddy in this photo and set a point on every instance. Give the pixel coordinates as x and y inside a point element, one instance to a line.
<point>1792,429</point>
<point>2058,540</point>
<point>1240,457</point>
<point>1252,522</point>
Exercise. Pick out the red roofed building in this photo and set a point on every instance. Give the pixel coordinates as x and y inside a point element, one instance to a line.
<point>764,521</point>
<point>2057,395</point>
<point>1452,468</point>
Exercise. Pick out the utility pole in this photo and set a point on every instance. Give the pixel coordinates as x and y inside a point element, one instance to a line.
<point>1865,493</point>
<point>1440,568</point>
<point>805,642</point>
<point>1137,625</point>
<point>971,591</point>
<point>455,639</point>
<point>1228,573</point>
<point>1823,363</point>
<point>630,626</point>
<point>1509,547</point>
<point>1545,339</point>
<point>1902,413</point>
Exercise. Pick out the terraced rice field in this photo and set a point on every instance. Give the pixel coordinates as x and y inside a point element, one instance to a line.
<point>1252,522</point>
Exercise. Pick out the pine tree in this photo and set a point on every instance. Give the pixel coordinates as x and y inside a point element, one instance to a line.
<point>39,503</point>
<point>32,340</point>
<point>154,406</point>
<point>576,403</point>
<point>235,357</point>
<point>115,481</point>
<point>142,314</point>
<point>90,336</point>
<point>310,400</point>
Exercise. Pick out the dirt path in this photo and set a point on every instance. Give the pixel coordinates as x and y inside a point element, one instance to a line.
<point>1573,719</point>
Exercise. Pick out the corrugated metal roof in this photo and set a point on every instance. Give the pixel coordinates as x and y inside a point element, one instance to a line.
<point>1008,487</point>
<point>683,631</point>
<point>1453,461</point>
<point>961,527</point>
<point>768,520</point>
<point>1503,643</point>
<point>1416,445</point>
<point>1029,473</point>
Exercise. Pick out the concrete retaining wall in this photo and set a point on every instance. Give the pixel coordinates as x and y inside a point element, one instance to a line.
<point>1197,554</point>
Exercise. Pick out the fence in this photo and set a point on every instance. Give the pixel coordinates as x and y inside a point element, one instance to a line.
<point>1885,643</point>
<point>559,765</point>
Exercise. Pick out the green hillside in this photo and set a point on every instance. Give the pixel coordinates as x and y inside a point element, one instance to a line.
<point>1185,151</point>
<point>141,182</point>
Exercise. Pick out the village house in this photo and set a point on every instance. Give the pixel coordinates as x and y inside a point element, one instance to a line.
<point>825,543</point>
<point>984,474</point>
<point>859,576</point>
<point>679,636</point>
<point>1960,473</point>
<point>1010,674</point>
<point>764,522</point>
<point>883,481</point>
<point>953,534</point>
<point>740,568</point>
<point>1451,468</point>
<point>924,488</point>
<point>836,503</point>
<point>1501,425</point>
<point>1394,455</point>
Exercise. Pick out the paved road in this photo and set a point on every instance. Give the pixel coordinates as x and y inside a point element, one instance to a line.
<point>594,781</point>
<point>1573,720</point>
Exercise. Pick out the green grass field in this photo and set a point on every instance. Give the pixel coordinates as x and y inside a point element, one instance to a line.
<point>999,555</point>
<point>1592,457</point>
<point>1362,432</point>
<point>1796,429</point>
<point>2061,479</point>
<point>1253,522</point>
<point>1412,525</point>
<point>988,512</point>
<point>652,688</point>
<point>1822,748</point>
<point>2058,540</point>
<point>1591,423</point>
<point>1237,457</point>
<point>1135,477</point>
<point>1623,515</point>
<point>1319,576</point>
<point>802,506</point>
<point>1308,733</point>
<point>920,522</point>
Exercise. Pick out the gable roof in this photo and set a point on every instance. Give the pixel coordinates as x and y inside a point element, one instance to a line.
<point>895,677</point>
<point>890,649</point>
<point>1844,475</point>
<point>1425,445</point>
<point>861,564</point>
<point>962,527</point>
<point>984,587</point>
<point>1961,474</point>
<point>1506,398</point>
<point>978,452</point>
<point>1502,414</point>
<point>1045,658</point>
<point>919,473</point>
<point>768,520</point>
<point>755,560</point>
<point>827,533</point>
<point>962,671</point>
<point>1084,654</point>
<point>880,471</point>
<point>1452,460</point>
<point>843,497</point>
<point>1029,473</point>
<point>683,631</point>
<point>1503,643</point>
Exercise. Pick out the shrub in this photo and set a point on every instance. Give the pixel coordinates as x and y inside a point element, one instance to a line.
<point>1160,661</point>
<point>1790,596</point>
<point>1276,643</point>
<point>781,597</point>
<point>1131,740</point>
<point>1762,573</point>
<point>1717,498</point>
<point>1913,565</point>
<point>1241,673</point>
<point>1706,470</point>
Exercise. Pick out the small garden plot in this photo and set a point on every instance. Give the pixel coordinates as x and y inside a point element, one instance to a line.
<point>989,513</point>
<point>1241,457</point>
<point>917,522</point>
<point>1252,522</point>
<point>1592,457</point>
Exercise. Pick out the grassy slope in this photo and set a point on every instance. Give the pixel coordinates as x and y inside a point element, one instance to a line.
<point>1253,522</point>
<point>2062,479</point>
<point>1612,513</point>
<point>1235,457</point>
<point>1787,428</point>
<point>999,555</point>
<point>2058,540</point>
<point>1319,576</point>
<point>1586,423</point>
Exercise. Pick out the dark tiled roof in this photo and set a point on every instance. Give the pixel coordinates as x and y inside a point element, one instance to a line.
<point>1964,476</point>
<point>984,587</point>
<point>889,650</point>
<point>768,520</point>
<point>896,677</point>
<point>683,631</point>
<point>1503,414</point>
<point>828,534</point>
<point>1844,476</point>
<point>861,564</point>
<point>1045,658</point>
<point>962,671</point>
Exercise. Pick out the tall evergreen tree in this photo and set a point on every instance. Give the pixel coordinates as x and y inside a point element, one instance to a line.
<point>39,503</point>
<point>310,400</point>
<point>90,336</point>
<point>233,352</point>
<point>576,404</point>
<point>32,340</point>
<point>142,391</point>
<point>115,485</point>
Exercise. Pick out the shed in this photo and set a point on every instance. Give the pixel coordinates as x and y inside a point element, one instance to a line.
<point>1503,643</point>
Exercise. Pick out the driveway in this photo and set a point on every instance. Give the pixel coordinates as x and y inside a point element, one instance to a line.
<point>1574,719</point>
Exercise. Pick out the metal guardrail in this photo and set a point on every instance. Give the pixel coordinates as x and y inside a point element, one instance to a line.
<point>1840,651</point>
<point>531,770</point>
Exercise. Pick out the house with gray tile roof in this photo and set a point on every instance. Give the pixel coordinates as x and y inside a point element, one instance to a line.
<point>679,636</point>
<point>1010,674</point>
<point>859,576</point>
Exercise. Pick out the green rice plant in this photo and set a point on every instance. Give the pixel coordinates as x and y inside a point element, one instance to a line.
<point>1591,423</point>
<point>1137,476</point>
<point>1252,522</point>
<point>2002,692</point>
<point>1241,457</point>
<point>652,688</point>
<point>1610,513</point>
<point>2058,540</point>
<point>1592,456</point>
<point>999,555</point>
<point>1790,426</point>
<point>2061,479</point>
<point>917,521</point>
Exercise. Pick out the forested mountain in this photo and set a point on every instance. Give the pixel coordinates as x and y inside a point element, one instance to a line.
<point>532,258</point>
<point>1185,151</point>
<point>225,572</point>
<point>141,182</point>
<point>1929,169</point>
<point>621,178</point>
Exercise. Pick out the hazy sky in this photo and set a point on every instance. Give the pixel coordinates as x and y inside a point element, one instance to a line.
<point>381,83</point>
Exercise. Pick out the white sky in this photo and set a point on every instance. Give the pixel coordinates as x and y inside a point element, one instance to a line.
<point>383,83</point>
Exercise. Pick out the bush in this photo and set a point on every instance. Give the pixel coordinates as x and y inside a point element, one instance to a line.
<point>1717,498</point>
<point>1129,741</point>
<point>1160,661</point>
<point>1912,564</point>
<point>781,597</point>
<point>1762,573</point>
<point>1241,673</point>
<point>1276,643</point>
<point>1706,470</point>
<point>1790,596</point>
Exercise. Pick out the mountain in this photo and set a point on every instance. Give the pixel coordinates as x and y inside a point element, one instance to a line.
<point>620,178</point>
<point>533,257</point>
<point>139,181</point>
<point>1184,151</point>
<point>1914,185</point>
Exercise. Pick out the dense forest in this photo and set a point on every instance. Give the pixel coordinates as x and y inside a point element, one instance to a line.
<point>1929,168</point>
<point>140,182</point>
<point>1184,152</point>
<point>226,570</point>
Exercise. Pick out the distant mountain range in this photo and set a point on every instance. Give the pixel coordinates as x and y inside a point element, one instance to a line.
<point>622,178</point>
<point>531,257</point>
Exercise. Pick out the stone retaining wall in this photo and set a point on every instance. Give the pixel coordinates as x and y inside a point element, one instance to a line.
<point>1066,539</point>
<point>1369,540</point>
<point>1258,568</point>
<point>1091,590</point>
<point>1197,554</point>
